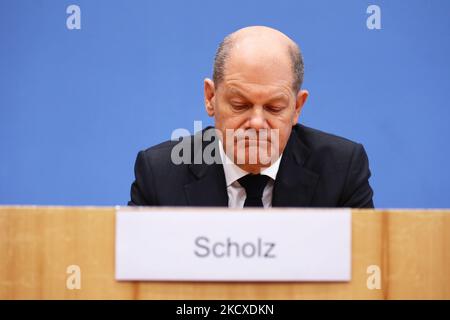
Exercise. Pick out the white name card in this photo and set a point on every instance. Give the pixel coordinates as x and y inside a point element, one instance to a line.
<point>197,244</point>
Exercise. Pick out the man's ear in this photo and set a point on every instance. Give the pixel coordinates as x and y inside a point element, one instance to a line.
<point>302,95</point>
<point>210,95</point>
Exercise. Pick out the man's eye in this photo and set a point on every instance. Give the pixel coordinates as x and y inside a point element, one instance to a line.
<point>239,106</point>
<point>273,109</point>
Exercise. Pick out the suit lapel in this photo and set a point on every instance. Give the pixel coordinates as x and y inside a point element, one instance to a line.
<point>209,186</point>
<point>295,184</point>
<point>209,189</point>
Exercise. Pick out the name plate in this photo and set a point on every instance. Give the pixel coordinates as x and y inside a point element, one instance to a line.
<point>197,244</point>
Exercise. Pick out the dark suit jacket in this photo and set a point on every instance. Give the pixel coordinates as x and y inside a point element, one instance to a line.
<point>317,170</point>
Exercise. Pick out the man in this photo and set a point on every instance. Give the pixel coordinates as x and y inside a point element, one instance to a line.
<point>256,98</point>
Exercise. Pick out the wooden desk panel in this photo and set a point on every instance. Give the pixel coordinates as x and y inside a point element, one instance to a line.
<point>37,244</point>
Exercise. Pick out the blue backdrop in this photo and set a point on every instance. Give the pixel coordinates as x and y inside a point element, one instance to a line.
<point>77,105</point>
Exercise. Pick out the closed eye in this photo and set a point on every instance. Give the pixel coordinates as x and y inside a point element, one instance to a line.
<point>240,106</point>
<point>274,109</point>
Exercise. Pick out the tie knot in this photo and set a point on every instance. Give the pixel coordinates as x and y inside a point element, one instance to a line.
<point>254,185</point>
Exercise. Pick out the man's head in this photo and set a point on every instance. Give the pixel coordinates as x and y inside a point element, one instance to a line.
<point>258,73</point>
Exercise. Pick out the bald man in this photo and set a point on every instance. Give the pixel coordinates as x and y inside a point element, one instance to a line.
<point>261,156</point>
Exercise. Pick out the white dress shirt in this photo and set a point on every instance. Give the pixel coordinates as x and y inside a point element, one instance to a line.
<point>236,193</point>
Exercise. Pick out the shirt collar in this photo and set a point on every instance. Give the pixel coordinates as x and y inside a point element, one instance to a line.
<point>234,173</point>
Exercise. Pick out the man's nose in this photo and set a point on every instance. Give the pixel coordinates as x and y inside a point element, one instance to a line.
<point>257,119</point>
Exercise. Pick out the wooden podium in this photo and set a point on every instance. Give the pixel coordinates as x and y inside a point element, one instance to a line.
<point>38,244</point>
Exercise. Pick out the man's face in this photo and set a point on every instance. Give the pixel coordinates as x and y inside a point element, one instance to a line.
<point>256,96</point>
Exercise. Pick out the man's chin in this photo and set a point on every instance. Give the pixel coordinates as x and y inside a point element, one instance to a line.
<point>253,168</point>
<point>254,158</point>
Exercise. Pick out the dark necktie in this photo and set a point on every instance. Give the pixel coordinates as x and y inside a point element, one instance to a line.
<point>254,185</point>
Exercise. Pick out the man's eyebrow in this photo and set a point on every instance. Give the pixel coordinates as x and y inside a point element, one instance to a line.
<point>280,96</point>
<point>236,91</point>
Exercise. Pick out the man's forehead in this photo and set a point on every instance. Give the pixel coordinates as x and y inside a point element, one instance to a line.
<point>253,67</point>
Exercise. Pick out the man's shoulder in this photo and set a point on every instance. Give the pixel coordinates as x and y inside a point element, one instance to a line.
<point>162,147</point>
<point>327,147</point>
<point>316,139</point>
<point>158,152</point>
<point>164,151</point>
